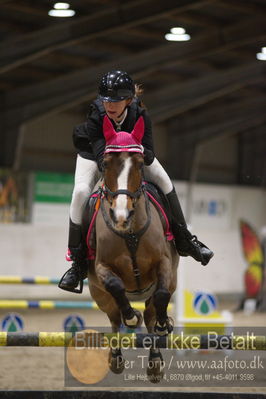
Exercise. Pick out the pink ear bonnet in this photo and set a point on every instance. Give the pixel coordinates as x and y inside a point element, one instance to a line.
<point>123,141</point>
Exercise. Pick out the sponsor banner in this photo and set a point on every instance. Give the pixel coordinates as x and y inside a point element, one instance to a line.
<point>12,322</point>
<point>206,205</point>
<point>53,187</point>
<point>212,206</point>
<point>73,323</point>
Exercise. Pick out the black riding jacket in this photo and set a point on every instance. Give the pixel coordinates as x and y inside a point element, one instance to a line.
<point>89,140</point>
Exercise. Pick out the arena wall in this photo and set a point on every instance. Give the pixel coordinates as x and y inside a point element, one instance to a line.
<point>214,212</point>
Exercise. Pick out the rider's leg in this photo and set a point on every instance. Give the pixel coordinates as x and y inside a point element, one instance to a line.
<point>186,243</point>
<point>86,176</point>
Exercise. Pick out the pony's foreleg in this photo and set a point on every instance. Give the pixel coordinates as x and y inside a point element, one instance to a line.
<point>161,297</point>
<point>107,304</point>
<point>156,318</point>
<point>115,286</point>
<point>149,315</point>
<point>155,369</point>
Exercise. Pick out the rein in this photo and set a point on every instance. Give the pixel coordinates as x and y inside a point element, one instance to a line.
<point>131,238</point>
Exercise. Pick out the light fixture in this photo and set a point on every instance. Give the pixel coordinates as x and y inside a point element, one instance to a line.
<point>178,31</point>
<point>61,10</point>
<point>262,55</point>
<point>61,6</point>
<point>177,34</point>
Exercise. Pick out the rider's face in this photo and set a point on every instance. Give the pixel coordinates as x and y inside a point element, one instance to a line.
<point>115,109</point>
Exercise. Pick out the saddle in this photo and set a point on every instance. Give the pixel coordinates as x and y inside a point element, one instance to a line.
<point>155,196</point>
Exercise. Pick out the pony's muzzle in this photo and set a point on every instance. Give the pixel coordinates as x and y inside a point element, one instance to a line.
<point>120,220</point>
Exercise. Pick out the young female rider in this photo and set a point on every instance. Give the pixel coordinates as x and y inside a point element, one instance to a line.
<point>118,100</point>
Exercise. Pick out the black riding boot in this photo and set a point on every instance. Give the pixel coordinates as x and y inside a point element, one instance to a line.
<point>186,243</point>
<point>78,271</point>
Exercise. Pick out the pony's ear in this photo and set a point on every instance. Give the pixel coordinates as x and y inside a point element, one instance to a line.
<point>138,130</point>
<point>108,129</point>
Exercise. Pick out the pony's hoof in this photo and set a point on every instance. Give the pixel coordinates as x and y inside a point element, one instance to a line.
<point>154,377</point>
<point>116,362</point>
<point>135,321</point>
<point>164,329</point>
<point>155,367</point>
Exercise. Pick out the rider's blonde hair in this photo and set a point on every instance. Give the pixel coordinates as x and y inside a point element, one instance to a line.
<point>138,92</point>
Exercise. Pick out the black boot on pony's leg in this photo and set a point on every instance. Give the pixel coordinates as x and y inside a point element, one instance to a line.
<point>186,243</point>
<point>77,253</point>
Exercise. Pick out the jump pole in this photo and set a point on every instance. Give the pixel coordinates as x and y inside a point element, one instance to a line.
<point>36,280</point>
<point>134,340</point>
<point>24,304</point>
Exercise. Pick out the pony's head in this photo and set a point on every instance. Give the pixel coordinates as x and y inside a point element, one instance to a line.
<point>123,164</point>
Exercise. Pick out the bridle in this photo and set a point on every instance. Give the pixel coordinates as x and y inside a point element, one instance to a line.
<point>131,238</point>
<point>134,195</point>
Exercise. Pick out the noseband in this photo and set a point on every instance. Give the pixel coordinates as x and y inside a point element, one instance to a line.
<point>134,195</point>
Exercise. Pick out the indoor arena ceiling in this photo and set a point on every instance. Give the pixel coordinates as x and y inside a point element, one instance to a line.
<point>48,64</point>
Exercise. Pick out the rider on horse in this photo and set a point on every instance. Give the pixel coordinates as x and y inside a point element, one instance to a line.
<point>118,99</point>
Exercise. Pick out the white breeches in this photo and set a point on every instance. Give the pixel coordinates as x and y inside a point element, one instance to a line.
<point>86,176</point>
<point>156,174</point>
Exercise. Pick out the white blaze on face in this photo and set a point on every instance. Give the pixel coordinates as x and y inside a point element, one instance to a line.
<point>121,211</point>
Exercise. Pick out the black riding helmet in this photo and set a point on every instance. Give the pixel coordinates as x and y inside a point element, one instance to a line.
<point>116,86</point>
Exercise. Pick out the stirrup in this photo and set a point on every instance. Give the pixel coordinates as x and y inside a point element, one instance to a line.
<point>76,290</point>
<point>193,247</point>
